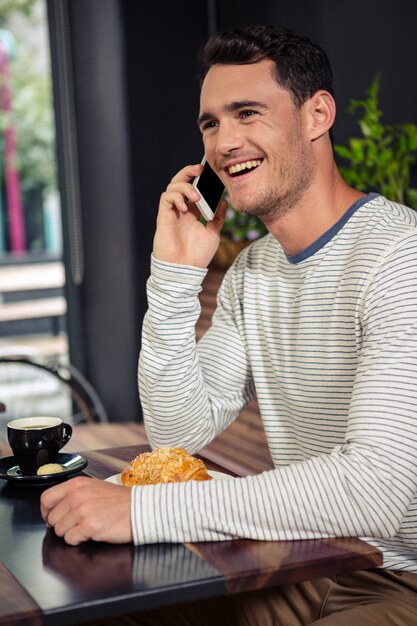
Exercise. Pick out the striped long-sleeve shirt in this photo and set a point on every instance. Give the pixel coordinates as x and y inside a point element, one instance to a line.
<point>327,340</point>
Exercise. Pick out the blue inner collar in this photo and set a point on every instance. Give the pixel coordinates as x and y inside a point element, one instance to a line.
<point>333,230</point>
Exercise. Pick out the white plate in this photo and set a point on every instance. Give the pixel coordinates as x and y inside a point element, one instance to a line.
<point>116,478</point>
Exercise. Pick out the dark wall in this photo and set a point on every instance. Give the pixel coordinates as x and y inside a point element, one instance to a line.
<point>161,44</point>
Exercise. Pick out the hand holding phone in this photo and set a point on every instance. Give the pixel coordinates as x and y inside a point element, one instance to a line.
<point>210,188</point>
<point>180,236</point>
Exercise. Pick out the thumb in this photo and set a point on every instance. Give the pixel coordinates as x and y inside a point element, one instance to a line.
<point>220,215</point>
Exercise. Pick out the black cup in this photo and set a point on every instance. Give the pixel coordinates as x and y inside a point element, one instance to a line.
<point>36,441</point>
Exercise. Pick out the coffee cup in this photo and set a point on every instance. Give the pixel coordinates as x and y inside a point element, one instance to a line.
<point>36,441</point>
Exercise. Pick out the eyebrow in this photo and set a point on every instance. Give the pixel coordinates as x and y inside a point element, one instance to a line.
<point>232,106</point>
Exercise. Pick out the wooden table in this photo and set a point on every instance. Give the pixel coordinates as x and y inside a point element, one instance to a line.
<point>44,581</point>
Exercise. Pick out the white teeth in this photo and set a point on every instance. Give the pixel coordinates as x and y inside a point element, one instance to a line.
<point>248,165</point>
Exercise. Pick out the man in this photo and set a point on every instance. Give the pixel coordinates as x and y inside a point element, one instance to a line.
<point>318,319</point>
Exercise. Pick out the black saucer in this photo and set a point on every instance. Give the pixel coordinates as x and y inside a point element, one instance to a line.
<point>72,463</point>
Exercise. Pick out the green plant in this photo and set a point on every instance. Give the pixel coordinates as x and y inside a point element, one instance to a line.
<point>9,7</point>
<point>382,159</point>
<point>34,125</point>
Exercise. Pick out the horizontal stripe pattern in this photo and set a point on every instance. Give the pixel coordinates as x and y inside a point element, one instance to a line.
<point>328,344</point>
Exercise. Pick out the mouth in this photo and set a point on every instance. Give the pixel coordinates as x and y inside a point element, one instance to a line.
<point>239,169</point>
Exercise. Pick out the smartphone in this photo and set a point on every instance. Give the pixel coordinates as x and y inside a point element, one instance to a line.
<point>210,188</point>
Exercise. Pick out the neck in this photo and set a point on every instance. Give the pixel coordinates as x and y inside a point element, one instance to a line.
<point>321,206</point>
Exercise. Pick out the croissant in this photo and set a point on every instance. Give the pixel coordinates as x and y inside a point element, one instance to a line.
<point>164,465</point>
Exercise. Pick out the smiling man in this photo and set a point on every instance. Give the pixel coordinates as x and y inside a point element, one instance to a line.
<point>317,319</point>
<point>241,138</point>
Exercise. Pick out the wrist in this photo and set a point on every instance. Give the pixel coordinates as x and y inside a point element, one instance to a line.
<point>174,268</point>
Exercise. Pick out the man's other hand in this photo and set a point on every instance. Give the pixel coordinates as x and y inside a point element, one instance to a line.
<point>83,508</point>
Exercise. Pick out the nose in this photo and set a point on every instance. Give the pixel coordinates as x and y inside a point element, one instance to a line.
<point>228,138</point>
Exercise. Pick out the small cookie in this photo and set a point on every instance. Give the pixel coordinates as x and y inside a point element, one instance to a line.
<point>49,468</point>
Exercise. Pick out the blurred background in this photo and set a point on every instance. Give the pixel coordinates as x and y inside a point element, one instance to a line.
<point>98,102</point>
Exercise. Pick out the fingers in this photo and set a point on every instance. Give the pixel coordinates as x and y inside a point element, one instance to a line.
<point>63,517</point>
<point>56,502</point>
<point>215,225</point>
<point>59,510</point>
<point>180,188</point>
<point>71,528</point>
<point>187,173</point>
<point>52,496</point>
<point>175,196</point>
<point>85,508</point>
<point>76,535</point>
<point>220,214</point>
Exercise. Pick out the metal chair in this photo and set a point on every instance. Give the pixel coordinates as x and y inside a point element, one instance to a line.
<point>34,384</point>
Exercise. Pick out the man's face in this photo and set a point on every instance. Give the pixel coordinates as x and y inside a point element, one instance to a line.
<point>255,139</point>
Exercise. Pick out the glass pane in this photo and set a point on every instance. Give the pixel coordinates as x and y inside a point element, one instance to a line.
<point>32,302</point>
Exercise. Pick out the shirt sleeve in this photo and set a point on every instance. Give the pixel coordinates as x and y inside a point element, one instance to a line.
<point>189,393</point>
<point>364,487</point>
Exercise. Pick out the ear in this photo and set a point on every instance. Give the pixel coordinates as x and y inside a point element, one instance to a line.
<point>321,112</point>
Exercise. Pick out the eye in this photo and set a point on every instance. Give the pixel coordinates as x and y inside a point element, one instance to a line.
<point>247,113</point>
<point>208,125</point>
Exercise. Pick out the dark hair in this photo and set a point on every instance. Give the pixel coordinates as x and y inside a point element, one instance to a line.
<point>301,66</point>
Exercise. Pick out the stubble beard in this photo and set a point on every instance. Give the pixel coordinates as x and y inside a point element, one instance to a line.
<point>273,202</point>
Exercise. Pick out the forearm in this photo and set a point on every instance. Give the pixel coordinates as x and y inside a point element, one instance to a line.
<point>186,397</point>
<point>168,372</point>
<point>323,497</point>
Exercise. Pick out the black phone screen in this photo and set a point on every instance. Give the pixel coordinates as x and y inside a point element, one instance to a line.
<point>210,186</point>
